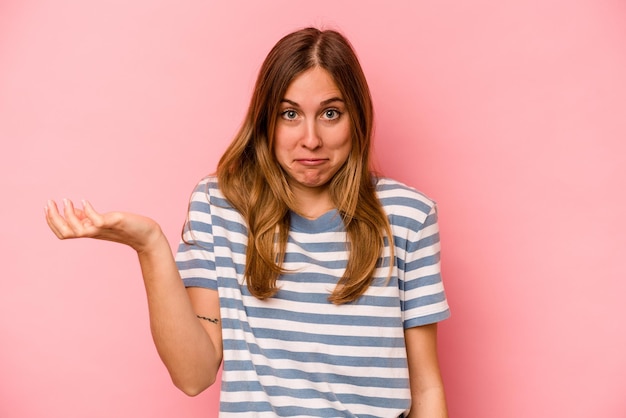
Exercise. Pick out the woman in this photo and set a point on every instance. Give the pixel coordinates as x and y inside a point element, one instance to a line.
<point>288,275</point>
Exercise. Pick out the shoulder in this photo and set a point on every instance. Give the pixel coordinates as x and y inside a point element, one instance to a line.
<point>399,199</point>
<point>207,190</point>
<point>207,184</point>
<point>208,204</point>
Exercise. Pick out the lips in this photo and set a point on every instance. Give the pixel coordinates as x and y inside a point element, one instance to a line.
<point>311,162</point>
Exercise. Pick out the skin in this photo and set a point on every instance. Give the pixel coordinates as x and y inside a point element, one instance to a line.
<point>312,142</point>
<point>312,139</point>
<point>190,348</point>
<point>427,391</point>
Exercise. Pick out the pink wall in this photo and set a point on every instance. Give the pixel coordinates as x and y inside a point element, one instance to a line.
<point>512,114</point>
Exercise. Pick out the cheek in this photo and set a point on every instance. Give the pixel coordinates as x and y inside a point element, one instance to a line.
<point>284,138</point>
<point>336,136</point>
<point>345,155</point>
<point>279,142</point>
<point>281,152</point>
<point>344,140</point>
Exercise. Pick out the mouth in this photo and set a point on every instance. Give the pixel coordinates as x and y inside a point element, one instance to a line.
<point>311,161</point>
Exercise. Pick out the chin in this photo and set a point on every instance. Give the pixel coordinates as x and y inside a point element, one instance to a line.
<point>311,184</point>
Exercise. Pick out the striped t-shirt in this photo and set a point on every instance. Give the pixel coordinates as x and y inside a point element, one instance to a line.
<point>296,354</point>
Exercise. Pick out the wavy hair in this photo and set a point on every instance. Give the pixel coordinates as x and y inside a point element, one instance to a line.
<point>254,183</point>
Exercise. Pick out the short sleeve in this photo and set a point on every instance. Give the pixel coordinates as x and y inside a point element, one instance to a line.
<point>195,258</point>
<point>423,296</point>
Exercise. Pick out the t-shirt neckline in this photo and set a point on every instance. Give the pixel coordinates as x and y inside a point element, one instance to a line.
<point>329,221</point>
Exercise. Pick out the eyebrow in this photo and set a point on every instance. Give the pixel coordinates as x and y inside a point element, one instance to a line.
<point>323,103</point>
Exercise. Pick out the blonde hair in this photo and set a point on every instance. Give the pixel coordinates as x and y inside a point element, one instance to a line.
<point>254,183</point>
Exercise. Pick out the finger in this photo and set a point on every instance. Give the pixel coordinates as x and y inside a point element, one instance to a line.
<point>72,219</point>
<point>52,209</point>
<point>96,219</point>
<point>55,221</point>
<point>48,210</point>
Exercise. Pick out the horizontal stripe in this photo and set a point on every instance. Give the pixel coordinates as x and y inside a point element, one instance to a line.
<point>297,354</point>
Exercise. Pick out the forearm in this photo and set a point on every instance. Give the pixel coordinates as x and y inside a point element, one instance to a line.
<point>427,392</point>
<point>185,348</point>
<point>429,403</point>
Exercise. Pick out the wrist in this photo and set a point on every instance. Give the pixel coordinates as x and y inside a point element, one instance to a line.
<point>152,241</point>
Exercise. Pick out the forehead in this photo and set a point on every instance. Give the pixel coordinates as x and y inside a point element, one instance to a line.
<point>314,83</point>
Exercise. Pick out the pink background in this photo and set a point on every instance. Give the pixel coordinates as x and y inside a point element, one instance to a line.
<point>511,114</point>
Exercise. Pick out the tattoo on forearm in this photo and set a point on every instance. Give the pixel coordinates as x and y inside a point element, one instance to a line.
<point>214,320</point>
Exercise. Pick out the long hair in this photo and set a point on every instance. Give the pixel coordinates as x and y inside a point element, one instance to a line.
<point>254,183</point>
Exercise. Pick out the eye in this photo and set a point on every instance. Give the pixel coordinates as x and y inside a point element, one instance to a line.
<point>331,114</point>
<point>289,114</point>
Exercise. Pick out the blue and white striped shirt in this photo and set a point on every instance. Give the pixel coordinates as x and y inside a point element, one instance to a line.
<point>296,354</point>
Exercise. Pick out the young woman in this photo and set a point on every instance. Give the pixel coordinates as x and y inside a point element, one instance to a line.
<point>315,282</point>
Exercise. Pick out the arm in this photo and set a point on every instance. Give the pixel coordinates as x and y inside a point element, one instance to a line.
<point>190,348</point>
<point>427,394</point>
<point>191,351</point>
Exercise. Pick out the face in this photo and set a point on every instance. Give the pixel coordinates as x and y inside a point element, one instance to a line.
<point>312,139</point>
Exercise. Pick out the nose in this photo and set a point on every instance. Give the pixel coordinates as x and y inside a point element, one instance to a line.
<point>310,137</point>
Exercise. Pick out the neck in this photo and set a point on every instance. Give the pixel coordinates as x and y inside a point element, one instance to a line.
<point>312,204</point>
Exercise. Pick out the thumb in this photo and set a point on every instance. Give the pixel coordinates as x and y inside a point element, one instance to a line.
<point>92,216</point>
